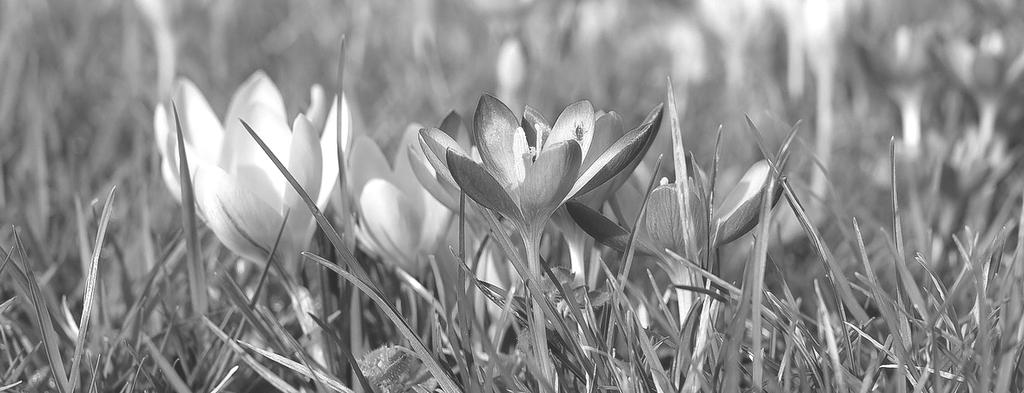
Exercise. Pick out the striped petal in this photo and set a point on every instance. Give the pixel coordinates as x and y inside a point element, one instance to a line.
<point>241,220</point>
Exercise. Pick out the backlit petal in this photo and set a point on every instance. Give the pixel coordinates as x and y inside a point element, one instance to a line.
<point>366,162</point>
<point>548,180</point>
<point>576,122</point>
<point>240,219</point>
<point>304,166</point>
<point>244,156</point>
<point>392,220</point>
<point>495,128</point>
<point>203,130</point>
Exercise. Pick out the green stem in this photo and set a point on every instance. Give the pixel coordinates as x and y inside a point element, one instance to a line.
<point>531,241</point>
<point>825,85</point>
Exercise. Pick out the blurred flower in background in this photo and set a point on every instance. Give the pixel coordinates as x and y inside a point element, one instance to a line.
<point>399,220</point>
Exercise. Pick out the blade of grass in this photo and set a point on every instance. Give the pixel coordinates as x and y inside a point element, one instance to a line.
<point>27,280</point>
<point>421,350</point>
<point>90,290</point>
<point>197,282</point>
<point>165,367</point>
<point>260,370</point>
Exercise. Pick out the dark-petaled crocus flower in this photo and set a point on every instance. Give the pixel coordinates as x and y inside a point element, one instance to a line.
<point>899,60</point>
<point>400,221</point>
<point>987,66</point>
<point>526,173</point>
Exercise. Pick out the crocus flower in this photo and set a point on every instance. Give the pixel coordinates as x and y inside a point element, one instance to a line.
<point>986,67</point>
<point>400,220</point>
<point>528,172</point>
<point>239,193</point>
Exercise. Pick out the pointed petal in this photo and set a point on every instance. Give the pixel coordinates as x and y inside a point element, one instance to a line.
<point>329,148</point>
<point>451,124</point>
<point>258,88</point>
<point>494,128</point>
<point>435,144</point>
<point>663,222</point>
<point>392,221</point>
<point>623,154</point>
<point>536,127</point>
<point>240,219</point>
<point>203,130</point>
<point>243,155</point>
<point>480,186</point>
<point>403,174</point>
<point>366,162</point>
<point>741,207</point>
<point>607,129</point>
<point>576,122</point>
<point>304,166</point>
<point>603,230</point>
<point>548,180</point>
<point>317,111</point>
<point>427,176</point>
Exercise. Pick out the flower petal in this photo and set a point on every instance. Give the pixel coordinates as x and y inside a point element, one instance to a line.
<point>202,129</point>
<point>536,127</point>
<point>244,157</point>
<point>576,122</point>
<point>258,88</point>
<point>366,162</point>
<point>402,172</point>
<point>663,222</point>
<point>451,124</point>
<point>622,155</point>
<point>435,144</point>
<point>392,221</point>
<point>495,129</point>
<point>240,219</point>
<point>607,129</point>
<point>329,148</point>
<point>481,186</point>
<point>443,191</point>
<point>548,180</point>
<point>304,166</point>
<point>317,111</point>
<point>741,207</point>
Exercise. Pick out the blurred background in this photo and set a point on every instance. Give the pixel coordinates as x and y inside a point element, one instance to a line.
<point>79,81</point>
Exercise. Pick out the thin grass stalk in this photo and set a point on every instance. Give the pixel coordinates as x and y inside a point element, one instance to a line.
<point>824,112</point>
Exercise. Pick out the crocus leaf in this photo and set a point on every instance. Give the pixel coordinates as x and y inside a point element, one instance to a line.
<point>480,186</point>
<point>495,131</point>
<point>576,122</point>
<point>622,155</point>
<point>739,210</point>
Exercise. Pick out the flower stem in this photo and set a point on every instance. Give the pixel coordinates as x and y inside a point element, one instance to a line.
<point>825,85</point>
<point>531,241</point>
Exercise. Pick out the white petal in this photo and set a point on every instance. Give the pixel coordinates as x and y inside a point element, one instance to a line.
<point>257,89</point>
<point>240,219</point>
<point>366,162</point>
<point>404,176</point>
<point>576,122</point>
<point>243,154</point>
<point>304,166</point>
<point>202,129</point>
<point>316,113</point>
<point>329,148</point>
<point>391,220</point>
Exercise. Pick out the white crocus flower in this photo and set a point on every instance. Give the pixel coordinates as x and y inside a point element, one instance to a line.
<point>239,193</point>
<point>400,220</point>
